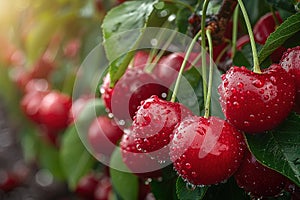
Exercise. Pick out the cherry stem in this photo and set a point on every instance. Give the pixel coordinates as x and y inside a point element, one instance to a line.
<point>234,30</point>
<point>150,68</point>
<point>256,67</point>
<point>203,51</point>
<point>187,55</point>
<point>211,70</point>
<point>274,16</point>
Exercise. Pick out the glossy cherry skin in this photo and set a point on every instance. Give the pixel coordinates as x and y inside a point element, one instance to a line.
<point>257,179</point>
<point>30,105</point>
<point>290,61</point>
<point>140,59</point>
<point>54,110</point>
<point>103,136</point>
<point>264,27</point>
<point>168,67</point>
<point>206,151</point>
<point>87,186</point>
<point>254,102</point>
<point>103,189</point>
<point>154,123</point>
<point>138,162</point>
<point>134,86</point>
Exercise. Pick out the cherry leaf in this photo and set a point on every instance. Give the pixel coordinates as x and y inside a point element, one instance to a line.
<point>286,30</point>
<point>186,192</point>
<point>279,149</point>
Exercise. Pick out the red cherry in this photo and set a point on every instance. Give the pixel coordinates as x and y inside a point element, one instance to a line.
<point>87,186</point>
<point>54,111</point>
<point>257,179</point>
<point>9,181</point>
<point>106,92</point>
<point>264,27</point>
<point>42,68</point>
<point>206,151</point>
<point>72,47</point>
<point>255,102</point>
<point>140,59</point>
<point>134,86</point>
<point>290,61</point>
<point>168,67</point>
<point>77,107</point>
<point>154,123</point>
<point>139,163</point>
<point>30,105</point>
<point>103,136</point>
<point>103,189</point>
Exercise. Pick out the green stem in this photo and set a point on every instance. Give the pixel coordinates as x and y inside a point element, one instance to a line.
<point>234,31</point>
<point>211,68</point>
<point>161,52</point>
<point>187,55</point>
<point>256,67</point>
<point>274,16</point>
<point>203,45</point>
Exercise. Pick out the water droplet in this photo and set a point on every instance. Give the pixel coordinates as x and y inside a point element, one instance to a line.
<point>258,83</point>
<point>240,85</point>
<point>188,165</point>
<point>246,123</point>
<point>190,186</point>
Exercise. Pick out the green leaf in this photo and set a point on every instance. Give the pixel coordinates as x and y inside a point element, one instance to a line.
<point>75,159</point>
<point>256,9</point>
<point>182,17</point>
<point>131,15</point>
<point>279,149</point>
<point>49,159</point>
<point>185,193</point>
<point>287,5</point>
<point>125,184</point>
<point>286,30</point>
<point>228,190</point>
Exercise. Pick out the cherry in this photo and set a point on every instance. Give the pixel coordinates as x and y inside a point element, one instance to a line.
<point>71,48</point>
<point>54,110</point>
<point>103,189</point>
<point>255,102</point>
<point>139,163</point>
<point>154,123</point>
<point>290,61</point>
<point>103,136</point>
<point>168,67</point>
<point>257,179</point>
<point>30,104</point>
<point>77,107</point>
<point>206,151</point>
<point>86,186</point>
<point>140,59</point>
<point>9,181</point>
<point>264,27</point>
<point>134,86</point>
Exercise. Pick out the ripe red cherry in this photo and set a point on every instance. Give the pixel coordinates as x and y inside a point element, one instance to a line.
<point>9,181</point>
<point>103,189</point>
<point>168,67</point>
<point>77,107</point>
<point>139,163</point>
<point>54,111</point>
<point>206,151</point>
<point>256,102</point>
<point>257,179</point>
<point>103,136</point>
<point>264,27</point>
<point>134,86</point>
<point>86,186</point>
<point>290,61</point>
<point>30,104</point>
<point>154,123</point>
<point>140,59</point>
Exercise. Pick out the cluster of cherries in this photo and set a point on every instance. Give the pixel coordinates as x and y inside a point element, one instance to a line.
<point>203,150</point>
